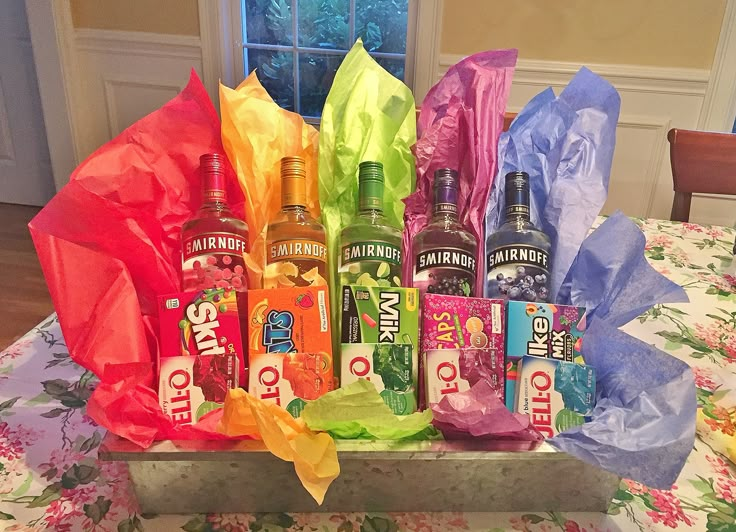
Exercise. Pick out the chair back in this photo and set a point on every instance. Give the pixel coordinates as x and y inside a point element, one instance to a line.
<point>703,163</point>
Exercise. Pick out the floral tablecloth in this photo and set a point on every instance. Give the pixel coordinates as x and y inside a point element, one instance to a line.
<point>50,477</point>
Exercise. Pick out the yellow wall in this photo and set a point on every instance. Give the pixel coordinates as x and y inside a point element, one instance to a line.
<point>673,33</point>
<point>179,17</point>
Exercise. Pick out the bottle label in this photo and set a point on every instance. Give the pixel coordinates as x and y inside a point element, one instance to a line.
<point>370,263</point>
<point>214,260</point>
<point>296,250</point>
<point>518,272</point>
<point>209,243</point>
<point>445,258</point>
<point>295,263</point>
<point>370,251</point>
<point>449,271</point>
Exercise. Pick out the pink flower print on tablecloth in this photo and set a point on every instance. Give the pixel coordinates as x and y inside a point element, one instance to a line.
<point>720,336</point>
<point>704,378</point>
<point>658,241</point>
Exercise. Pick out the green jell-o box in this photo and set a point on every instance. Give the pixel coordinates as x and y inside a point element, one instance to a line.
<point>377,314</point>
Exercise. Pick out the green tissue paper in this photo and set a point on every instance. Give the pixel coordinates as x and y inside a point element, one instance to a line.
<point>357,411</point>
<point>369,115</point>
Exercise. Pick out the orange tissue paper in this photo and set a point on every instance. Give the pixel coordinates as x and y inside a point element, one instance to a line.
<point>256,134</point>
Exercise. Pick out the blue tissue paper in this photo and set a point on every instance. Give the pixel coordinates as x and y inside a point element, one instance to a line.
<point>643,425</point>
<point>566,145</point>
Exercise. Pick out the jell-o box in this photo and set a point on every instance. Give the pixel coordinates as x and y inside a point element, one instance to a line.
<point>392,368</point>
<point>555,394</point>
<point>192,386</point>
<point>448,371</point>
<point>289,346</point>
<point>453,322</point>
<point>378,314</point>
<point>542,330</point>
<point>204,322</point>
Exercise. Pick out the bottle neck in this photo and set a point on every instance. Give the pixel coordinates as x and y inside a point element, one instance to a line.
<point>294,208</point>
<point>443,214</point>
<point>445,204</point>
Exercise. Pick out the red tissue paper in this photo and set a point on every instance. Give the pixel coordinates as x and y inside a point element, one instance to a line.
<point>109,243</point>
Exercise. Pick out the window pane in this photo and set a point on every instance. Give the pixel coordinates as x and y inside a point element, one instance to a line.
<point>316,72</point>
<point>382,25</point>
<point>276,73</point>
<point>267,22</point>
<point>395,66</point>
<point>324,24</point>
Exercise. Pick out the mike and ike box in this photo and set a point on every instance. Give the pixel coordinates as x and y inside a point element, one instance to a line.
<point>542,330</point>
<point>289,346</point>
<point>380,342</point>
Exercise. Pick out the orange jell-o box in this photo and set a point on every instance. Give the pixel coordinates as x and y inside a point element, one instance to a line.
<point>289,345</point>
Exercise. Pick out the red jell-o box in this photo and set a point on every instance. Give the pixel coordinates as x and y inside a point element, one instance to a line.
<point>204,322</point>
<point>452,322</point>
<point>191,386</point>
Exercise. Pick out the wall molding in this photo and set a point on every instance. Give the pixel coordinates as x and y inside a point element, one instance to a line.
<point>138,43</point>
<point>124,75</point>
<point>634,78</point>
<point>651,175</point>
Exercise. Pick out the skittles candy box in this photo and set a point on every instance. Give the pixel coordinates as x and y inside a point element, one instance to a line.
<point>192,386</point>
<point>542,330</point>
<point>289,346</point>
<point>557,395</point>
<point>204,322</point>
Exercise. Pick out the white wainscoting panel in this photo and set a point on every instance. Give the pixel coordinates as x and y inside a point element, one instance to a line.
<point>653,100</point>
<point>125,76</point>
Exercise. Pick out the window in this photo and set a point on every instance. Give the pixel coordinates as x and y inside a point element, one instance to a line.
<point>297,45</point>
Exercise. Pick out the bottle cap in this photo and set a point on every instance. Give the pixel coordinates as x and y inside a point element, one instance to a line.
<point>445,177</point>
<point>212,170</point>
<point>293,181</point>
<point>370,186</point>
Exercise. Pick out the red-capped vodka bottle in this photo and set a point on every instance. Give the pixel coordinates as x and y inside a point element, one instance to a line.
<point>214,240</point>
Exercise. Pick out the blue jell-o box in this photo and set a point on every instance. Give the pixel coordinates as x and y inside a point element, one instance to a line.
<point>557,395</point>
<point>542,330</point>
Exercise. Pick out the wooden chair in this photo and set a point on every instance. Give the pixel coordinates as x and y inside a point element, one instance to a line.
<point>703,163</point>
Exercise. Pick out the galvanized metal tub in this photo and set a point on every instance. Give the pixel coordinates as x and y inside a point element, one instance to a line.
<point>181,477</point>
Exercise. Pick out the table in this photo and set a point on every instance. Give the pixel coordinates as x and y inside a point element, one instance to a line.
<point>50,477</point>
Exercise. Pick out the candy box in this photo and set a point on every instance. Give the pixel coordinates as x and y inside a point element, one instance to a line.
<point>377,314</point>
<point>203,322</point>
<point>542,330</point>
<point>556,394</point>
<point>289,320</point>
<point>448,371</point>
<point>191,386</point>
<point>453,322</point>
<point>290,379</point>
<point>289,346</point>
<point>391,367</point>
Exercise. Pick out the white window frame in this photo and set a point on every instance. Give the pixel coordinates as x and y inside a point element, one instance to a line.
<point>220,24</point>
